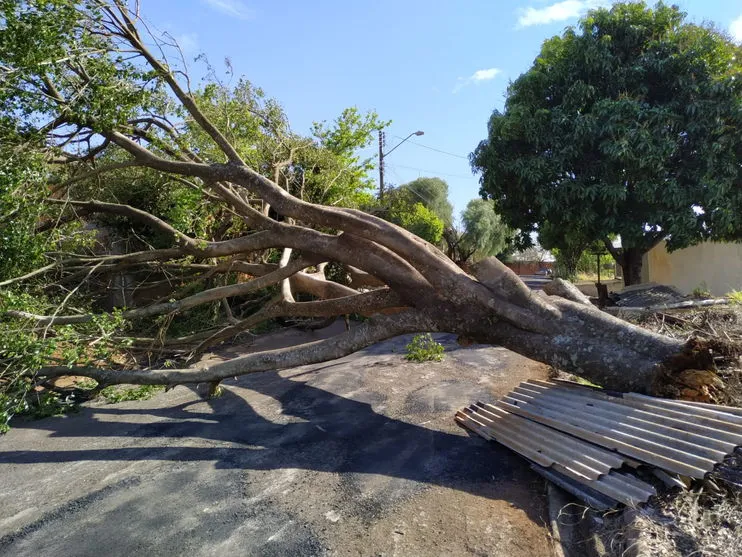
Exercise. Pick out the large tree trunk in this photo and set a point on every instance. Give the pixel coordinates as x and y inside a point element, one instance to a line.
<point>562,329</point>
<point>631,264</point>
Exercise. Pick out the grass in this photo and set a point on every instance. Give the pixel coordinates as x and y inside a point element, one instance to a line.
<point>735,297</point>
<point>116,393</point>
<point>605,276</point>
<point>583,381</point>
<point>701,292</point>
<point>423,348</point>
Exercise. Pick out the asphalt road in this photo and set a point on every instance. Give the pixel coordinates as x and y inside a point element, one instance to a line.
<point>535,282</point>
<point>354,457</point>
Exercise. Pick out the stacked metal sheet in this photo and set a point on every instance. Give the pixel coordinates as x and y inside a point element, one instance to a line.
<point>589,441</point>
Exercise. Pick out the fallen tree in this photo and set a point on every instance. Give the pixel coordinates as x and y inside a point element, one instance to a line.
<point>109,105</point>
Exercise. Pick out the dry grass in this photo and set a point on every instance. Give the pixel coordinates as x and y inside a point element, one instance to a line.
<point>721,327</point>
<point>707,519</point>
<point>702,522</point>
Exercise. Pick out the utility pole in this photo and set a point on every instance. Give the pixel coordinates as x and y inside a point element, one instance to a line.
<point>382,154</point>
<point>381,165</point>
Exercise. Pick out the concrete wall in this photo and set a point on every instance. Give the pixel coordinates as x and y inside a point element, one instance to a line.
<point>589,288</point>
<point>529,267</point>
<point>718,265</point>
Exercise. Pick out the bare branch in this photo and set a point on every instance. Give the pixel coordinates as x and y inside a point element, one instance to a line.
<point>285,284</point>
<point>129,29</point>
<point>204,297</point>
<point>34,273</point>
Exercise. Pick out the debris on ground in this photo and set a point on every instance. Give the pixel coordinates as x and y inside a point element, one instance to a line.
<point>718,327</point>
<point>650,297</point>
<point>647,295</point>
<point>614,444</point>
<point>706,518</point>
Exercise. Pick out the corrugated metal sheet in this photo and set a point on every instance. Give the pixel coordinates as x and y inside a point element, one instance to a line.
<point>575,459</point>
<point>586,435</point>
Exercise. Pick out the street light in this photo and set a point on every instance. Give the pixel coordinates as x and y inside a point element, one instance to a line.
<point>382,154</point>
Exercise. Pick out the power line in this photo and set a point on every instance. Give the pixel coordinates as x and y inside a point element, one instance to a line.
<point>436,150</point>
<point>433,172</point>
<point>427,200</point>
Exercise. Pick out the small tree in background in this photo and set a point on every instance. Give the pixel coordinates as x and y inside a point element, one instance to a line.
<point>413,216</point>
<point>484,234</point>
<point>433,194</point>
<point>566,245</point>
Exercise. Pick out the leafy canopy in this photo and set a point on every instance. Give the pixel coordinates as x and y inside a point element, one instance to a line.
<point>630,124</point>
<point>404,209</point>
<point>433,194</point>
<point>68,85</point>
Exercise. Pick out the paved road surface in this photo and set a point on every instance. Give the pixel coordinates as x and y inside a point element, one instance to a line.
<point>354,457</point>
<point>536,282</point>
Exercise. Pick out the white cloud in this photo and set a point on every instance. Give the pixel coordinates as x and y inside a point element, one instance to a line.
<point>234,8</point>
<point>477,77</point>
<point>735,28</point>
<point>485,75</point>
<point>188,43</point>
<point>560,11</point>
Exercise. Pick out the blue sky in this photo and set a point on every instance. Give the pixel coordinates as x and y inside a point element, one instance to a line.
<point>432,65</point>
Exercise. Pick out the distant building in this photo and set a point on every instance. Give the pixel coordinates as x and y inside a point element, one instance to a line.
<point>532,261</point>
<point>716,267</point>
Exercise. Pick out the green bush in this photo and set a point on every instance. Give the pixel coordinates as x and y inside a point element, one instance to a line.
<point>423,348</point>
<point>735,297</point>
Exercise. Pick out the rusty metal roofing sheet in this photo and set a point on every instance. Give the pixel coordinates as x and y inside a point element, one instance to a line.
<point>569,460</point>
<point>586,435</point>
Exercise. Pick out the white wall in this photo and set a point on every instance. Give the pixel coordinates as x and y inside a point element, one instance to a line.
<point>718,265</point>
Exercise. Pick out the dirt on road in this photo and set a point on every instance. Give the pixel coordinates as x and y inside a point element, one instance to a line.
<point>359,456</point>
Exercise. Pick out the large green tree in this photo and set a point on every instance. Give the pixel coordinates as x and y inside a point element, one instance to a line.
<point>630,124</point>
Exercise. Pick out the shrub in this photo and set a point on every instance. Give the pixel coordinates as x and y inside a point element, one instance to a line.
<point>423,348</point>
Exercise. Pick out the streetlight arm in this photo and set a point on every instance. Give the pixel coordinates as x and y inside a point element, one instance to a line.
<point>400,143</point>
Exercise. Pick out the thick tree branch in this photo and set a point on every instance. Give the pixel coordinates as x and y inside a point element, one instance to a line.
<point>368,333</point>
<point>367,303</point>
<point>134,214</point>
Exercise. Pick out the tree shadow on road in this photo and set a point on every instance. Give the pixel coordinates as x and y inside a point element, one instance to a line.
<point>315,430</point>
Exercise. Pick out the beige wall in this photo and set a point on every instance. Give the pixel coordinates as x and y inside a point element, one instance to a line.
<point>719,265</point>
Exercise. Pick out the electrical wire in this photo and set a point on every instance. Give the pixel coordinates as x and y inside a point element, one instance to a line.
<point>434,172</point>
<point>434,149</point>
